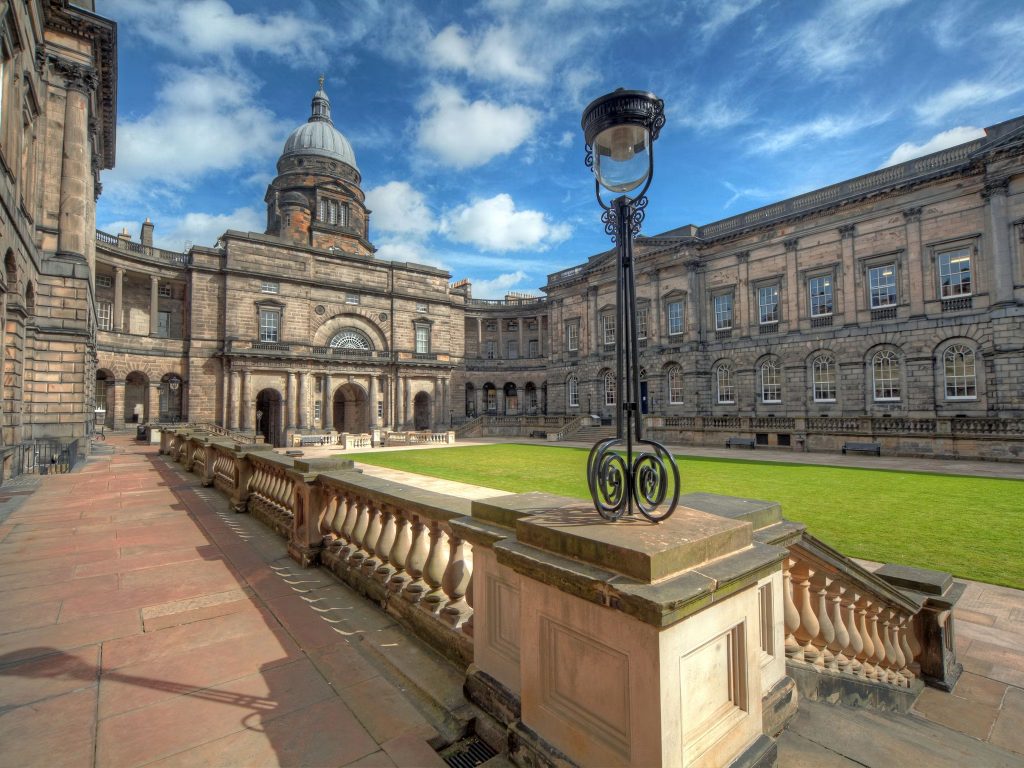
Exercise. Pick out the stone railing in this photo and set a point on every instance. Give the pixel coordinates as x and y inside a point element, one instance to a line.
<point>570,428</point>
<point>987,427</point>
<point>903,426</point>
<point>350,441</point>
<point>419,437</point>
<point>471,428</point>
<point>123,244</point>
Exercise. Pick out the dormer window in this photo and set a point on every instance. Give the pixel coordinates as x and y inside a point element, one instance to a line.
<point>332,212</point>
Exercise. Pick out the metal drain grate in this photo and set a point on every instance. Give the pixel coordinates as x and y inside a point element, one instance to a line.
<point>467,753</point>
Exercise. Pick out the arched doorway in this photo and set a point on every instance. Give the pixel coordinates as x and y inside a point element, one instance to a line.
<point>490,398</point>
<point>531,399</point>
<point>421,411</point>
<point>136,405</point>
<point>104,396</point>
<point>351,409</point>
<point>511,399</point>
<point>470,400</point>
<point>268,416</point>
<point>170,398</point>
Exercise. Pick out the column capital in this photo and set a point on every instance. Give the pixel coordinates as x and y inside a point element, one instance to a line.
<point>77,77</point>
<point>119,270</point>
<point>847,231</point>
<point>995,186</point>
<point>791,243</point>
<point>912,214</point>
<point>154,278</point>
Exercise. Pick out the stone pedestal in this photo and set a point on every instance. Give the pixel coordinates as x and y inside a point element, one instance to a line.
<point>627,643</point>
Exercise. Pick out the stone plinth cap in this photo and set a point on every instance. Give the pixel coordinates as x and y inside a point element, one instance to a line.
<point>759,514</point>
<point>322,465</point>
<point>635,547</point>
<point>917,579</point>
<point>505,510</point>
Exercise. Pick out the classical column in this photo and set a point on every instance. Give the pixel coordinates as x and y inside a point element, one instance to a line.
<point>304,379</point>
<point>248,416</point>
<point>501,340</point>
<point>387,396</point>
<point>118,404</point>
<point>918,283</point>
<point>225,400</point>
<point>153,409</point>
<point>997,232</point>
<point>792,290</point>
<point>479,337</point>
<point>694,301</point>
<point>479,394</point>
<point>519,325</point>
<point>446,401</point>
<point>291,401</point>
<point>743,319</point>
<point>437,405</point>
<point>154,299</point>
<point>327,409</point>
<point>118,299</point>
<point>399,403</point>
<point>234,401</point>
<point>848,278</point>
<point>75,171</point>
<point>408,404</point>
<point>373,401</point>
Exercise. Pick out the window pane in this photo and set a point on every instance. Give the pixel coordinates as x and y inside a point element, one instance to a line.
<point>726,393</point>
<point>820,289</point>
<point>882,282</point>
<point>723,312</point>
<point>574,392</point>
<point>768,304</point>
<point>824,378</point>
<point>572,336</point>
<point>269,321</point>
<point>608,324</point>
<point>675,317</point>
<point>105,315</point>
<point>955,273</point>
<point>641,323</point>
<point>422,339</point>
<point>771,388</point>
<point>675,384</point>
<point>609,389</point>
<point>959,369</point>
<point>885,368</point>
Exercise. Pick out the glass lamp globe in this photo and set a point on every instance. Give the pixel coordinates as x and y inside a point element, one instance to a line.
<point>622,157</point>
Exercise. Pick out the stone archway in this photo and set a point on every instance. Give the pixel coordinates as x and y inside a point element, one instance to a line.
<point>136,398</point>
<point>351,409</point>
<point>511,392</point>
<point>171,388</point>
<point>269,410</point>
<point>104,396</point>
<point>421,411</point>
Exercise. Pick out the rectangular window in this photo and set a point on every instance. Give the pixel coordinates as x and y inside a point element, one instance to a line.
<point>820,290</point>
<point>421,307</point>
<point>351,298</point>
<point>270,286</point>
<point>955,273</point>
<point>641,323</point>
<point>163,324</point>
<point>572,336</point>
<point>768,304</point>
<point>675,318</point>
<point>513,350</point>
<point>105,315</point>
<point>574,392</point>
<point>422,339</point>
<point>882,284</point>
<point>380,409</point>
<point>316,410</point>
<point>104,281</point>
<point>534,348</point>
<point>270,321</point>
<point>489,349</point>
<point>165,291</point>
<point>608,330</point>
<point>513,325</point>
<point>723,312</point>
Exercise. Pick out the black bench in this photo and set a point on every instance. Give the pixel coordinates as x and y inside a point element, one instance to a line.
<point>740,442</point>
<point>293,454</point>
<point>539,433</point>
<point>312,439</point>
<point>875,448</point>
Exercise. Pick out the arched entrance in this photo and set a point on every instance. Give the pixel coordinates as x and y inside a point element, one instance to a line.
<point>490,398</point>
<point>511,399</point>
<point>421,411</point>
<point>268,416</point>
<point>104,396</point>
<point>170,398</point>
<point>470,400</point>
<point>351,409</point>
<point>531,399</point>
<point>136,405</point>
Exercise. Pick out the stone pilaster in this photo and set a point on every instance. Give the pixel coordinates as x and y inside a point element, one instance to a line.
<point>118,319</point>
<point>154,305</point>
<point>373,401</point>
<point>997,234</point>
<point>291,401</point>
<point>75,167</point>
<point>848,278</point>
<point>918,280</point>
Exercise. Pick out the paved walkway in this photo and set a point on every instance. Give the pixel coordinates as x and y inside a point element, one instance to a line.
<point>143,623</point>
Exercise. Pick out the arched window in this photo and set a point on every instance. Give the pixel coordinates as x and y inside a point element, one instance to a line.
<point>771,387</point>
<point>958,367</point>
<point>574,392</point>
<point>609,388</point>
<point>885,370</point>
<point>726,391</point>
<point>350,338</point>
<point>823,378</point>
<point>675,385</point>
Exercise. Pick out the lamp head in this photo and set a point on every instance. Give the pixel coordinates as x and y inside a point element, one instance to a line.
<point>620,128</point>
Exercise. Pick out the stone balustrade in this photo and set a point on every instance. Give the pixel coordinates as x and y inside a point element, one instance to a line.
<point>418,437</point>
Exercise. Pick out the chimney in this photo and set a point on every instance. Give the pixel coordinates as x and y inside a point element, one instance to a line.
<point>147,232</point>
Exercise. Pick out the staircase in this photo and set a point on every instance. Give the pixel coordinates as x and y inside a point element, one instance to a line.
<point>591,434</point>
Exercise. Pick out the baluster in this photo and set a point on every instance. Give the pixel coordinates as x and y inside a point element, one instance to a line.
<point>842,636</point>
<point>915,644</point>
<point>456,581</point>
<point>416,560</point>
<point>888,657</point>
<point>385,543</point>
<point>332,523</point>
<point>467,628</point>
<point>790,614</point>
<point>903,641</point>
<point>856,644</point>
<point>359,534</point>
<point>433,571</point>
<point>866,655</point>
<point>373,531</point>
<point>826,632</point>
<point>878,659</point>
<point>348,526</point>
<point>400,552</point>
<point>808,628</point>
<point>897,660</point>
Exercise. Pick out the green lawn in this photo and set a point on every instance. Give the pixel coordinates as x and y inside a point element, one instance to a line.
<point>970,526</point>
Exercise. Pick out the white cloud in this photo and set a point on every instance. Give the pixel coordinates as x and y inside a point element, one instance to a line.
<point>467,134</point>
<point>494,224</point>
<point>819,129</point>
<point>398,207</point>
<point>755,193</point>
<point>212,28</point>
<point>198,228</point>
<point>952,137</point>
<point>497,287</point>
<point>722,14</point>
<point>203,121</point>
<point>715,115</point>
<point>399,249</point>
<point>496,55</point>
<point>962,95</point>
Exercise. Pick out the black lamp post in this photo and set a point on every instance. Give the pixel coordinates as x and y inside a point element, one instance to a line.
<point>626,472</point>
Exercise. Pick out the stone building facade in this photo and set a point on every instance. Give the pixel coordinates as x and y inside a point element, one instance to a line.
<point>58,84</point>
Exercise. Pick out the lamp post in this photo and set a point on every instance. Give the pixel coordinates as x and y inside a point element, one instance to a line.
<point>627,473</point>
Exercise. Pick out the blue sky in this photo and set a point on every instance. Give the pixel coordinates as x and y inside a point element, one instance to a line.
<point>465,116</point>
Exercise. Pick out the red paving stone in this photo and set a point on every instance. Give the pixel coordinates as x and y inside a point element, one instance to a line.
<point>139,626</point>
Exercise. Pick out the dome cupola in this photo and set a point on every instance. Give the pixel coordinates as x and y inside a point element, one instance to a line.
<point>318,137</point>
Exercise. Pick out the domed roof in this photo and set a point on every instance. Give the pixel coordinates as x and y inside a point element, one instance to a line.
<point>318,136</point>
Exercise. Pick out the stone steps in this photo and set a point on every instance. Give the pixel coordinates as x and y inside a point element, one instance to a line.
<point>832,736</point>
